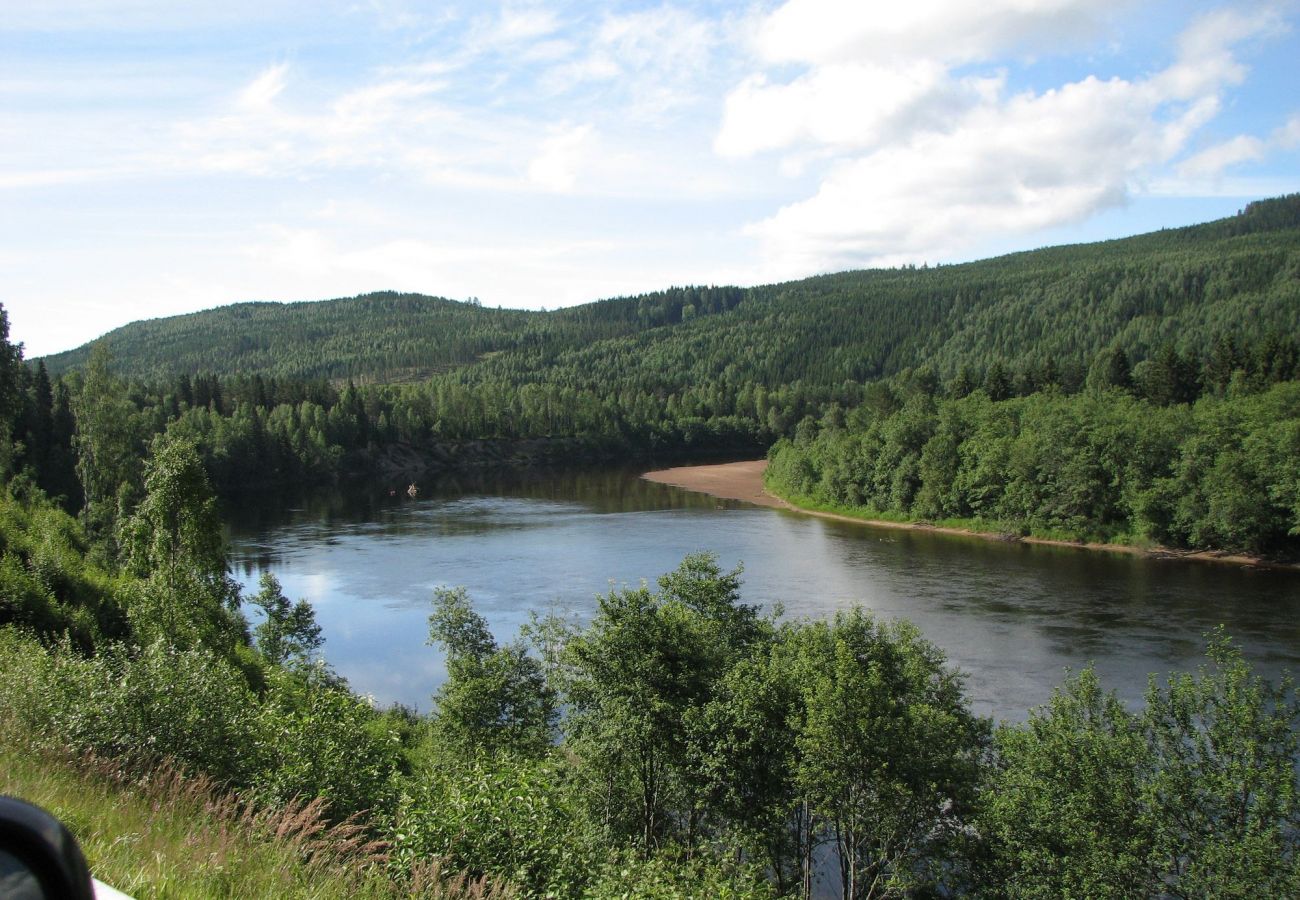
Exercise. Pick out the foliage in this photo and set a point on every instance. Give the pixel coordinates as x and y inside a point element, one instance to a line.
<point>11,392</point>
<point>316,739</point>
<point>306,738</point>
<point>109,442</point>
<point>1217,474</point>
<point>647,664</point>
<point>670,875</point>
<point>888,754</point>
<point>1064,808</point>
<point>289,632</point>
<point>47,585</point>
<point>141,705</point>
<point>494,698</point>
<point>168,834</point>
<point>512,817</point>
<point>1196,795</point>
<point>680,744</point>
<point>1224,790</point>
<point>276,394</point>
<point>173,542</point>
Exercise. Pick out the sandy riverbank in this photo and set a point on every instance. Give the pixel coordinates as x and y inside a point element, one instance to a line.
<point>744,481</point>
<point>726,481</point>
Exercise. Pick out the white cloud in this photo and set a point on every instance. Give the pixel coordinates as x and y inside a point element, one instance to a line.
<point>930,164</point>
<point>370,127</point>
<point>844,105</point>
<point>877,74</point>
<point>39,178</point>
<point>1205,52</point>
<point>1244,148</point>
<point>525,23</point>
<point>510,271</point>
<point>462,109</point>
<point>556,166</point>
<point>1033,162</point>
<point>1288,136</point>
<point>834,31</point>
<point>652,58</point>
<point>1212,161</point>
<point>261,92</point>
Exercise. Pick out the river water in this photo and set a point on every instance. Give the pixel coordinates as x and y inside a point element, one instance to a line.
<point>1012,616</point>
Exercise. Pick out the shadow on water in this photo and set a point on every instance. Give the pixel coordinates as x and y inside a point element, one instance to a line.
<point>1012,616</point>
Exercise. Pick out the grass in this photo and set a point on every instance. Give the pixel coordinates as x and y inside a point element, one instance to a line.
<point>976,526</point>
<point>167,835</point>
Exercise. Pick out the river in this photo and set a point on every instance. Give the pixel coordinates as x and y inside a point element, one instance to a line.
<point>1011,616</point>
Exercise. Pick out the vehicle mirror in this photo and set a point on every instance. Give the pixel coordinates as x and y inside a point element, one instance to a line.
<point>39,857</point>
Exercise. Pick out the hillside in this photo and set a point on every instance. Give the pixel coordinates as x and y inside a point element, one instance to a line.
<point>1239,275</point>
<point>384,336</point>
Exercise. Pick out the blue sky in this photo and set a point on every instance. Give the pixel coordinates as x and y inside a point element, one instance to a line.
<point>159,157</point>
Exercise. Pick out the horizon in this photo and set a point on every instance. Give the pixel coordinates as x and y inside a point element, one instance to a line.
<point>160,161</point>
<point>380,291</point>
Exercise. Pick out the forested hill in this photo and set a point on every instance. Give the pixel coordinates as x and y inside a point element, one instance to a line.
<point>1058,306</point>
<point>384,336</point>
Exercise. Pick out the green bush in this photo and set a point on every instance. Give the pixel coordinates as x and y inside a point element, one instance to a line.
<point>673,875</point>
<point>511,818</point>
<point>141,705</point>
<point>314,738</point>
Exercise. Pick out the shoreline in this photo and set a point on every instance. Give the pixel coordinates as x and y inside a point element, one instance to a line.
<point>744,481</point>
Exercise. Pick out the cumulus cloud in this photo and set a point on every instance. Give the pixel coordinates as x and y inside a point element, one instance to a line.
<point>831,31</point>
<point>1212,161</point>
<point>928,160</point>
<point>845,105</point>
<point>1288,136</point>
<point>1244,148</point>
<point>874,74</point>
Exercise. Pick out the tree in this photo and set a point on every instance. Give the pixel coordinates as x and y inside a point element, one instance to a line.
<point>108,446</point>
<point>1111,369</point>
<point>289,631</point>
<point>174,543</point>
<point>1224,790</point>
<point>1063,811</point>
<point>11,399</point>
<point>701,585</point>
<point>59,479</point>
<point>1197,796</point>
<point>744,750</point>
<point>888,752</point>
<point>496,699</point>
<point>315,738</point>
<point>963,383</point>
<point>1169,378</point>
<point>648,664</point>
<point>1225,360</point>
<point>997,383</point>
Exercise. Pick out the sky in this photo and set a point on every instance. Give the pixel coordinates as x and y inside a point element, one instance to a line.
<point>159,157</point>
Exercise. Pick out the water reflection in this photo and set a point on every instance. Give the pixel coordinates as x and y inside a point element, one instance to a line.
<point>1012,616</point>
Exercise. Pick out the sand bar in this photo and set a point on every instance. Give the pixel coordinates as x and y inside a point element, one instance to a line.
<point>726,481</point>
<point>744,481</point>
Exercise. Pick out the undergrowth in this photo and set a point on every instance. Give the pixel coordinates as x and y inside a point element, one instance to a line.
<point>166,834</point>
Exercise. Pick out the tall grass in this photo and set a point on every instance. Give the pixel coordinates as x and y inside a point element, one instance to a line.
<point>169,835</point>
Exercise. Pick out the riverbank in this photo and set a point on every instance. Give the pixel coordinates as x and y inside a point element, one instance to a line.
<point>744,481</point>
<point>726,481</point>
